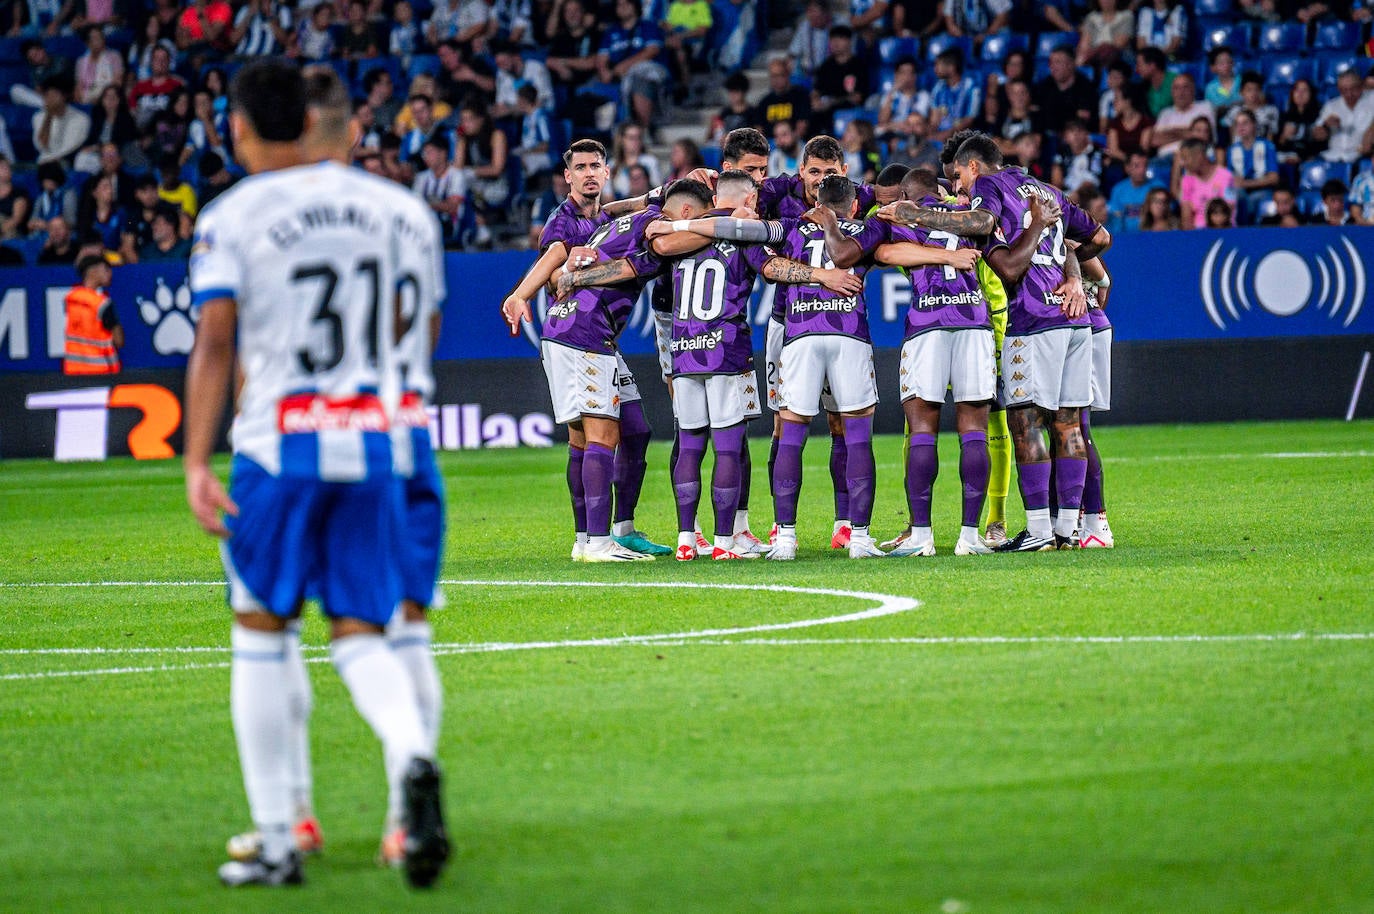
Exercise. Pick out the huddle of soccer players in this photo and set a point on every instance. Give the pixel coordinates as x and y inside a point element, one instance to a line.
<point>985,247</point>
<point>319,287</point>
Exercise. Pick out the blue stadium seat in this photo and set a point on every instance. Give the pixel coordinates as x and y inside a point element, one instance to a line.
<point>1329,68</point>
<point>1336,36</point>
<point>938,44</point>
<point>120,39</point>
<point>368,64</point>
<point>1312,175</point>
<point>1221,8</point>
<point>996,48</point>
<point>1237,37</point>
<point>844,115</point>
<point>1309,202</point>
<point>1282,38</point>
<point>893,49</point>
<point>1287,70</point>
<point>13,74</point>
<point>10,51</point>
<point>1048,42</point>
<point>68,46</point>
<point>711,156</point>
<point>423,63</point>
<point>1362,166</point>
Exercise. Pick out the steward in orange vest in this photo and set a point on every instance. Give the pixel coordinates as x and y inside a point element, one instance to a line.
<point>93,331</point>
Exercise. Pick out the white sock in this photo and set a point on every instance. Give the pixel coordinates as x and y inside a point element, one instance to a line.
<point>623,528</point>
<point>1038,523</point>
<point>922,534</point>
<point>300,702</point>
<point>860,532</point>
<point>725,542</point>
<point>384,696</point>
<point>598,542</point>
<point>741,520</point>
<point>1095,523</point>
<point>1066,522</point>
<point>580,538</point>
<point>262,728</point>
<point>687,538</point>
<point>969,534</point>
<point>411,642</point>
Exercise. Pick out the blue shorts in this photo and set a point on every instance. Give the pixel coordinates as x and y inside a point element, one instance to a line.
<point>422,533</point>
<point>298,538</point>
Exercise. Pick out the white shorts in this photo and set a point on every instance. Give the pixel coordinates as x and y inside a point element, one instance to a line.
<point>581,383</point>
<point>772,360</point>
<point>1102,369</point>
<point>1050,369</point>
<point>663,336</point>
<point>625,381</point>
<point>813,364</point>
<point>700,400</point>
<point>749,390</point>
<point>960,359</point>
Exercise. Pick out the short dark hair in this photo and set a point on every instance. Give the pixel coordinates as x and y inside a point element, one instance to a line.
<point>143,181</point>
<point>1334,187</point>
<point>372,77</point>
<point>1153,56</point>
<point>270,93</point>
<point>741,142</point>
<point>437,141</point>
<point>737,82</point>
<point>825,148</point>
<point>919,181</point>
<point>1074,123</point>
<point>588,146</point>
<point>62,82</point>
<point>981,147</point>
<point>952,56</point>
<point>1251,76</point>
<point>1193,144</point>
<point>528,93</point>
<point>85,264</point>
<point>692,188</point>
<point>1216,52</point>
<point>953,143</point>
<point>892,175</point>
<point>903,61</point>
<point>841,31</point>
<point>836,191</point>
<point>52,171</point>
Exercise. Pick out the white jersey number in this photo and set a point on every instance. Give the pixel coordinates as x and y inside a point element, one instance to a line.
<point>1058,253</point>
<point>951,243</point>
<point>703,289</point>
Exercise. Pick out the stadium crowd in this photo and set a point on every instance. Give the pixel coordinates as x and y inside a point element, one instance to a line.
<point>1154,115</point>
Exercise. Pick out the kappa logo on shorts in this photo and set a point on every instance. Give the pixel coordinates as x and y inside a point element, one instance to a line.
<point>591,372</point>
<point>1018,376</point>
<point>753,404</point>
<point>1017,360</point>
<point>905,388</point>
<point>903,371</point>
<point>591,388</point>
<point>1019,392</point>
<point>750,389</point>
<point>593,404</point>
<point>1017,344</point>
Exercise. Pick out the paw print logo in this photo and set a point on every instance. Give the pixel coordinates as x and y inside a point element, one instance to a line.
<point>170,315</point>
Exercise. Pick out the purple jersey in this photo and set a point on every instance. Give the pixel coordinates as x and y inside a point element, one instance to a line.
<point>711,289</point>
<point>814,309</point>
<point>567,225</point>
<point>1032,305</point>
<point>942,298</point>
<point>1096,315</point>
<point>784,197</point>
<point>592,318</point>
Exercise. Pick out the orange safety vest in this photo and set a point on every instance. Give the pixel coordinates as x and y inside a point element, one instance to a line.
<point>90,347</point>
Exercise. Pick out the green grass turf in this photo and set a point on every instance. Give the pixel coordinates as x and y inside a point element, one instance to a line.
<point>833,770</point>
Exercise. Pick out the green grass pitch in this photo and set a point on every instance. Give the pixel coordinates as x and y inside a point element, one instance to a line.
<point>1166,727</point>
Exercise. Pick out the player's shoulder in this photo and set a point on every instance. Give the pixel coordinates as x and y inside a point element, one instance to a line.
<point>247,195</point>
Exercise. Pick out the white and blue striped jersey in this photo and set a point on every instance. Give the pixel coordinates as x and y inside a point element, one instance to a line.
<point>311,258</point>
<point>957,102</point>
<point>1256,162</point>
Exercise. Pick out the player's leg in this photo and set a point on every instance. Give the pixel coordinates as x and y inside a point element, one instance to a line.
<point>974,469</point>
<point>598,469</point>
<point>787,481</point>
<point>568,380</point>
<point>1096,533</point>
<point>772,367</point>
<point>922,468</point>
<point>1070,456</point>
<point>898,540</point>
<point>631,464</point>
<point>1027,423</point>
<point>577,449</point>
<point>999,444</point>
<point>849,369</point>
<point>689,404</point>
<point>726,483</point>
<point>839,462</point>
<point>746,543</point>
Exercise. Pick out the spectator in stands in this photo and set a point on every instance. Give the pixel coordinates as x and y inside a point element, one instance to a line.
<point>1092,202</point>
<point>138,220</point>
<point>314,35</point>
<point>1347,119</point>
<point>1158,214</point>
<point>97,68</point>
<point>380,91</point>
<point>473,24</point>
<point>171,189</point>
<point>99,215</point>
<point>1284,209</point>
<point>1036,16</point>
<point>861,151</point>
<point>1252,100</point>
<point>171,128</point>
<point>1333,210</point>
<point>442,187</point>
<point>1118,78</point>
<point>1016,65</point>
<point>6,147</point>
<point>424,127</point>
<point>1019,117</point>
<point>787,148</point>
<point>513,22</point>
<point>15,204</point>
<point>358,38</point>
<point>59,129</point>
<point>1028,151</point>
<point>1255,163</point>
<point>841,81</point>
<point>903,98</point>
<point>262,28</point>
<point>1105,34</point>
<point>206,132</point>
<point>1361,198</point>
<point>154,35</point>
<point>630,54</point>
<point>536,144</point>
<point>482,154</point>
<point>1079,162</point>
<point>155,93</point>
<point>513,70</point>
<point>684,35</point>
<point>111,121</point>
<point>205,25</point>
<point>918,150</point>
<point>916,18</point>
<point>404,39</point>
<point>391,165</point>
<point>111,167</point>
<point>215,177</point>
<point>1173,123</point>
<point>166,243</point>
<point>811,38</point>
<point>60,246</point>
<point>1219,215</point>
<point>990,113</point>
<point>1127,200</point>
<point>639,183</point>
<point>572,47</point>
<point>54,198</point>
<point>369,131</point>
<point>1223,90</point>
<point>737,111</point>
<point>439,26</point>
<point>783,101</point>
<point>1301,135</point>
<point>956,99</point>
<point>683,159</point>
<point>1152,68</point>
<point>1065,94</point>
<point>1202,181</point>
<point>627,151</point>
<point>1163,25</point>
<point>976,19</point>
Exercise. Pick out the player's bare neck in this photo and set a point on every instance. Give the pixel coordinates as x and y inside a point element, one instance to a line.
<point>585,206</point>
<point>273,156</point>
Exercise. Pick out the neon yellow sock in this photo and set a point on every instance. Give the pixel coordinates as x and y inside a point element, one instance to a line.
<point>999,456</point>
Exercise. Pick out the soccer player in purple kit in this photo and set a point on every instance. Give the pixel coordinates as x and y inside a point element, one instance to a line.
<point>948,343</point>
<point>571,226</point>
<point>1096,533</point>
<point>1047,353</point>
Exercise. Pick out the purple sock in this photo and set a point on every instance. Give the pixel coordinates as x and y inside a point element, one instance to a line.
<point>726,478</point>
<point>1034,482</point>
<point>579,494</point>
<point>1093,500</point>
<point>687,476</point>
<point>922,466</point>
<point>630,465</point>
<point>839,464</point>
<point>787,472</point>
<point>860,472</point>
<point>1068,484</point>
<point>598,465</point>
<point>746,470</point>
<point>772,461</point>
<point>974,470</point>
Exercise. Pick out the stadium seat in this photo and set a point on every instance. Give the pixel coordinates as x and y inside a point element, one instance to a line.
<point>1220,8</point>
<point>367,64</point>
<point>710,155</point>
<point>1282,38</point>
<point>1047,42</point>
<point>844,115</point>
<point>1312,175</point>
<point>893,49</point>
<point>1362,166</point>
<point>1329,69</point>
<point>1309,202</point>
<point>996,48</point>
<point>1236,37</point>
<point>938,44</point>
<point>68,46</point>
<point>13,74</point>
<point>423,63</point>
<point>1336,36</point>
<point>1287,70</point>
<point>10,51</point>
